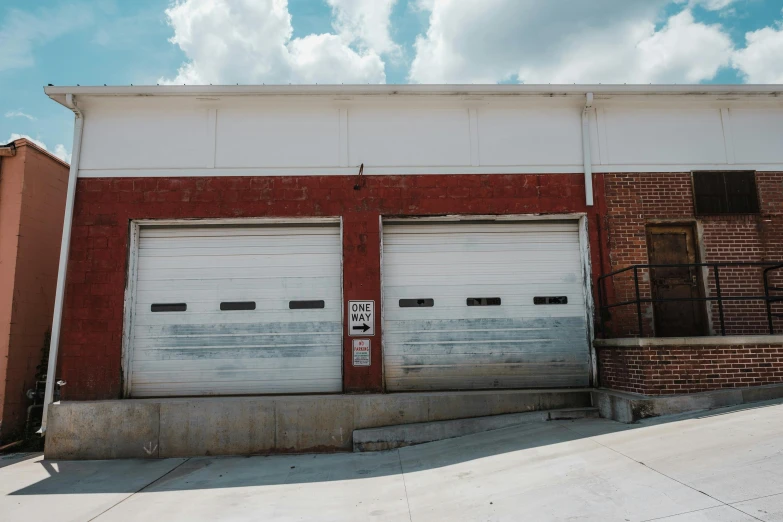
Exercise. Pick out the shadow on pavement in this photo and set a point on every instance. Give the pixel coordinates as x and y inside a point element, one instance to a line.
<point>121,476</point>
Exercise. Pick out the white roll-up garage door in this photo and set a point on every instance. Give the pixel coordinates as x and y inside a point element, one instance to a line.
<point>484,305</point>
<point>237,310</point>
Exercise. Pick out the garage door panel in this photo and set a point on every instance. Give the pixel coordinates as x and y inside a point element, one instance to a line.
<point>208,351</point>
<point>486,324</point>
<point>236,387</point>
<point>302,274</point>
<point>511,342</point>
<point>271,300</point>
<point>414,280</point>
<point>249,341</point>
<point>285,231</point>
<point>493,369</point>
<point>241,245</point>
<point>445,313</point>
<point>451,345</point>
<point>255,328</point>
<point>260,363</point>
<point>230,375</point>
<point>196,317</point>
<point>209,304</point>
<point>471,286</point>
<point>481,228</point>
<point>470,259</point>
<point>265,286</point>
<point>225,353</point>
<point>238,261</point>
<point>544,354</point>
<point>469,378</point>
<point>433,332</point>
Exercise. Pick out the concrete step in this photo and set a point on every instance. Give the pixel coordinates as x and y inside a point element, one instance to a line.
<point>574,414</point>
<point>391,437</point>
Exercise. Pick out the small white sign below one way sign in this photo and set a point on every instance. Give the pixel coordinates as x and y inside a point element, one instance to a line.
<point>361,318</point>
<point>361,352</point>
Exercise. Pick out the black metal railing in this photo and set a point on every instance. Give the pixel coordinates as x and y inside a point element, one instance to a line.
<point>772,294</point>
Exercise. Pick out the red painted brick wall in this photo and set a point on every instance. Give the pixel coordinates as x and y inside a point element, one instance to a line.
<point>668,370</point>
<point>91,342</point>
<point>635,200</point>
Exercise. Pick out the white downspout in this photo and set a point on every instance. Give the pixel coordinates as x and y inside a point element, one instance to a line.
<point>64,248</point>
<point>586,149</point>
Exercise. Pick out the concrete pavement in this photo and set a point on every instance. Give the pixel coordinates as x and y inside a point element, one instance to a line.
<point>722,465</point>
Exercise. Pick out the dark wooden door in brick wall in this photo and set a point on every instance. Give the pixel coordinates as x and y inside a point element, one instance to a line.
<point>675,244</point>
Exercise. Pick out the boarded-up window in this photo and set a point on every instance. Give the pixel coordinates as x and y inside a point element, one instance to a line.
<point>725,193</point>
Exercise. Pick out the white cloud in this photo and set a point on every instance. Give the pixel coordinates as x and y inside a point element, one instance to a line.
<point>485,41</point>
<point>19,114</point>
<point>250,41</point>
<point>22,31</point>
<point>761,61</point>
<point>366,22</point>
<point>59,150</point>
<point>712,5</point>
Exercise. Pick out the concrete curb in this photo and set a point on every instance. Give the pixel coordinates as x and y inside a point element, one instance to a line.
<point>631,407</point>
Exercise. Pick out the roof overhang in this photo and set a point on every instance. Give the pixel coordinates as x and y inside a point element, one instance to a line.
<point>58,93</point>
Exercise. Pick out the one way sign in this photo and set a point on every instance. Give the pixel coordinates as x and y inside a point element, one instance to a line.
<point>361,318</point>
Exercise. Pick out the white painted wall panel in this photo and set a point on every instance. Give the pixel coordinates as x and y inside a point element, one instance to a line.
<point>277,137</point>
<point>454,346</point>
<point>638,136</point>
<point>191,136</point>
<point>530,136</point>
<point>408,136</point>
<point>146,138</point>
<point>207,351</point>
<point>758,135</point>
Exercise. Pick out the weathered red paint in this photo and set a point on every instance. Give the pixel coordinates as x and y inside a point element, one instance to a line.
<point>91,342</point>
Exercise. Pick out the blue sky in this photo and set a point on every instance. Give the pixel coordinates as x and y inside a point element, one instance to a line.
<point>121,42</point>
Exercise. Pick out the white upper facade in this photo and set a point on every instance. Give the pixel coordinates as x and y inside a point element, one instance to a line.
<point>415,129</point>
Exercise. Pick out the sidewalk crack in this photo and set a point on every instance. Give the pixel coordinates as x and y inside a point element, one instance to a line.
<point>402,474</point>
<point>139,490</point>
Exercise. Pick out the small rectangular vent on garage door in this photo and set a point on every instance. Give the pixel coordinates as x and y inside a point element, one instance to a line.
<point>237,305</point>
<point>483,301</point>
<point>168,307</point>
<point>413,303</point>
<point>556,300</point>
<point>305,305</point>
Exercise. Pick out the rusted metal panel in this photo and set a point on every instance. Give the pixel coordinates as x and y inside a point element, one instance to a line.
<point>504,340</point>
<point>675,244</point>
<point>204,348</point>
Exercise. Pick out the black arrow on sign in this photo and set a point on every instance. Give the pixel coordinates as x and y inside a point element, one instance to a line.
<point>364,327</point>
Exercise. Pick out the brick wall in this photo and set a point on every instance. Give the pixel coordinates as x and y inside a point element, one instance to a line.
<point>32,203</point>
<point>635,200</point>
<point>91,342</point>
<point>668,370</point>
